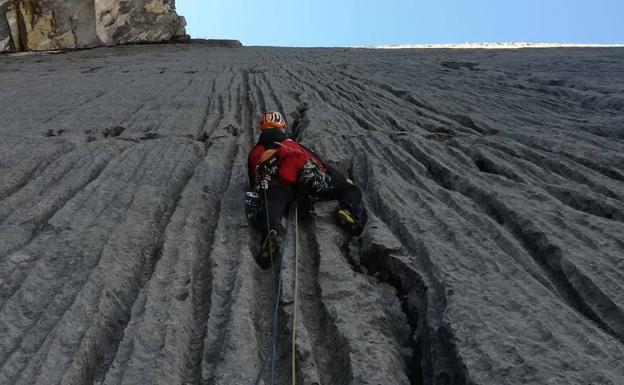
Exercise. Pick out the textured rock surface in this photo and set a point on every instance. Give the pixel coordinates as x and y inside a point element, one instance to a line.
<point>494,254</point>
<point>120,22</point>
<point>56,24</point>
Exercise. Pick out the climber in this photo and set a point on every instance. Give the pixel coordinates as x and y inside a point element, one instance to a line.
<point>280,170</point>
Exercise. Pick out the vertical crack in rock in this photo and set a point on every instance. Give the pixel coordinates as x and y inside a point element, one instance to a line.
<point>433,358</point>
<point>335,344</point>
<point>381,262</point>
<point>325,350</point>
<point>394,256</point>
<point>203,135</point>
<point>269,83</point>
<point>245,108</point>
<point>224,347</point>
<point>299,119</point>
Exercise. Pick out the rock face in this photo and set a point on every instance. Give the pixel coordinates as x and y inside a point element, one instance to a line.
<point>120,22</point>
<point>56,24</point>
<point>494,252</point>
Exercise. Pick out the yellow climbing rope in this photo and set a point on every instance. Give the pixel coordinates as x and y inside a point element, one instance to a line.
<point>295,293</point>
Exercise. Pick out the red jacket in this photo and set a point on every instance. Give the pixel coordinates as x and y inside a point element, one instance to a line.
<point>292,157</point>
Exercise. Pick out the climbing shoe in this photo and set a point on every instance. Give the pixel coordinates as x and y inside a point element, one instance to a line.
<point>269,250</point>
<point>347,221</point>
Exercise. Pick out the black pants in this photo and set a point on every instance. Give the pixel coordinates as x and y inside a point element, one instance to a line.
<point>276,202</point>
<point>279,196</point>
<point>348,194</point>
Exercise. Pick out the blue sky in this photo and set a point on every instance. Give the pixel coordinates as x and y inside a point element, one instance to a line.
<point>325,23</point>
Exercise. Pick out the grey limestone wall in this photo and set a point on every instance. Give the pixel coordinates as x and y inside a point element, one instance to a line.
<point>494,182</point>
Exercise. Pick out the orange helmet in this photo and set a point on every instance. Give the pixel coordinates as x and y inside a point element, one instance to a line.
<point>272,119</point>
